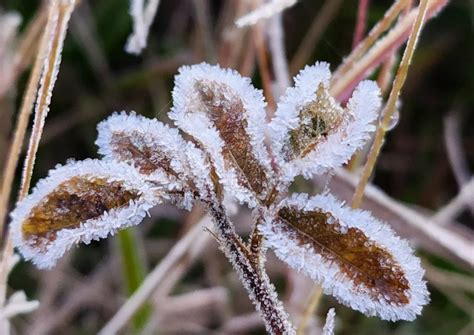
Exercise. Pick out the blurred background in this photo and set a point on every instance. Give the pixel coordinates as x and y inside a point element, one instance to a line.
<point>202,295</point>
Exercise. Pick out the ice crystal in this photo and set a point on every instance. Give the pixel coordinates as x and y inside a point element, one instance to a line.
<point>79,202</point>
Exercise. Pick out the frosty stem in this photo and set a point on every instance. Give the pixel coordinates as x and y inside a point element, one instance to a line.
<point>253,276</point>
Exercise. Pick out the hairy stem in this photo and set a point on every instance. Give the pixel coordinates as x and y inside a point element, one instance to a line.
<point>391,104</point>
<point>253,277</point>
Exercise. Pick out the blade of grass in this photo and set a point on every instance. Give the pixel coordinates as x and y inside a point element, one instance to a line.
<point>134,272</point>
<point>55,32</point>
<point>390,107</point>
<point>353,70</point>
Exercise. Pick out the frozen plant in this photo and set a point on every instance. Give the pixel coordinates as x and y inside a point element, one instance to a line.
<point>355,257</point>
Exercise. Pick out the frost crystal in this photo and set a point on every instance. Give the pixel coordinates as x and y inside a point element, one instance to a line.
<point>311,133</point>
<point>79,202</point>
<point>356,258</point>
<point>226,115</point>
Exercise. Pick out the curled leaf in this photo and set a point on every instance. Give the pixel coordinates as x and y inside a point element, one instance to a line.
<point>79,202</point>
<point>356,258</point>
<point>226,115</point>
<point>311,133</point>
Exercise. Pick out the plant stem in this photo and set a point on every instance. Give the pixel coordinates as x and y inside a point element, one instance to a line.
<point>133,271</point>
<point>19,135</point>
<point>314,300</point>
<point>253,277</point>
<point>55,32</point>
<point>391,104</point>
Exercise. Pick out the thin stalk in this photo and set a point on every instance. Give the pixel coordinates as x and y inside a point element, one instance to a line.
<point>60,14</point>
<point>373,36</point>
<point>361,23</point>
<point>133,271</point>
<point>263,65</point>
<point>55,32</point>
<point>351,73</point>
<point>19,134</point>
<point>314,300</point>
<point>391,103</point>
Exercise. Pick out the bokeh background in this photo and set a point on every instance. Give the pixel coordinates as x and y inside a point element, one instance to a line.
<point>204,296</point>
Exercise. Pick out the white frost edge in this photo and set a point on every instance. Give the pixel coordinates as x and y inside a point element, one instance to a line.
<point>201,128</point>
<point>340,145</point>
<point>333,281</point>
<point>156,134</point>
<point>89,230</point>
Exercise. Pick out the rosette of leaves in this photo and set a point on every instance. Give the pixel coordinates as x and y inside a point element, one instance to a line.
<point>355,257</point>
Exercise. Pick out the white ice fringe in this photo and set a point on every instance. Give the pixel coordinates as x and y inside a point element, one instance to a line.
<point>189,118</point>
<point>304,259</point>
<point>185,159</point>
<point>341,143</point>
<point>93,229</point>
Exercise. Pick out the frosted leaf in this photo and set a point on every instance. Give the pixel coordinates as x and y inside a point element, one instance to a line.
<point>328,328</point>
<point>356,258</point>
<point>226,115</point>
<point>156,150</point>
<point>79,202</point>
<point>311,133</point>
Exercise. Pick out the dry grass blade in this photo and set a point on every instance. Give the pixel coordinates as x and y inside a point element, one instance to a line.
<point>354,69</point>
<point>55,32</point>
<point>20,129</point>
<point>382,26</point>
<point>60,14</point>
<point>390,108</point>
<point>463,199</point>
<point>314,300</point>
